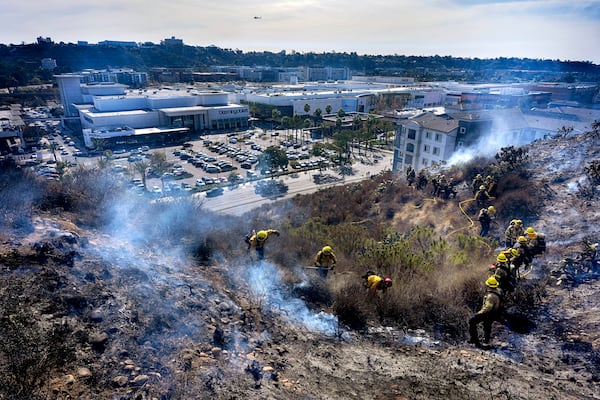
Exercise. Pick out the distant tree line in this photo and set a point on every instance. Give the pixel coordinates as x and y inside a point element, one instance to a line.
<point>20,64</point>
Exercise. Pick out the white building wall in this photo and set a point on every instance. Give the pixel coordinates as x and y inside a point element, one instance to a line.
<point>110,104</point>
<point>137,120</point>
<point>172,102</point>
<point>70,92</point>
<point>212,99</point>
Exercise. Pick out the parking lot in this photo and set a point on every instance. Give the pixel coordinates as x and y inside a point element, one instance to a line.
<point>221,168</point>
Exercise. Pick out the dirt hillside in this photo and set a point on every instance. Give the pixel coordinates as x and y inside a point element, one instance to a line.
<point>102,314</point>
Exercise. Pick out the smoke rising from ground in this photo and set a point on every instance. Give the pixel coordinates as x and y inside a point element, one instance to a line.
<point>500,135</point>
<point>266,284</point>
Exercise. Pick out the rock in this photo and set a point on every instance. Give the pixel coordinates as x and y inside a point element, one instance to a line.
<point>84,372</point>
<point>98,339</point>
<point>69,378</point>
<point>120,380</point>
<point>267,369</point>
<point>97,315</point>
<point>140,380</point>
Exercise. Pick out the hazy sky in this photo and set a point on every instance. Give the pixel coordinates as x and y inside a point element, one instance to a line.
<point>547,29</point>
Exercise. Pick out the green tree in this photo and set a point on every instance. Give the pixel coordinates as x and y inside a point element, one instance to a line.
<point>297,122</point>
<point>159,165</point>
<point>328,109</point>
<point>307,108</point>
<point>273,157</point>
<point>275,114</point>
<point>52,147</point>
<point>142,167</point>
<point>341,113</point>
<point>99,144</point>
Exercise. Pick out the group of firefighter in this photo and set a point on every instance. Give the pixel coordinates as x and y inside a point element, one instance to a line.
<point>442,186</point>
<point>521,246</point>
<point>325,261</point>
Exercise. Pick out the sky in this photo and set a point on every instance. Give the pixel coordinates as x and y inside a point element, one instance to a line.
<point>546,29</point>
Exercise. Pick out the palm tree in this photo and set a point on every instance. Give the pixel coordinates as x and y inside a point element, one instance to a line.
<point>99,144</point>
<point>275,114</point>
<point>286,122</point>
<point>52,147</point>
<point>297,122</point>
<point>158,162</point>
<point>142,168</point>
<point>307,124</point>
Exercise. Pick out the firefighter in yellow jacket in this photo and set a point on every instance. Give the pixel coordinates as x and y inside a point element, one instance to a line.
<point>325,261</point>
<point>490,311</point>
<point>375,282</point>
<point>258,240</point>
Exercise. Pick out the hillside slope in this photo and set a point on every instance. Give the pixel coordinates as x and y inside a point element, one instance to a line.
<point>121,313</point>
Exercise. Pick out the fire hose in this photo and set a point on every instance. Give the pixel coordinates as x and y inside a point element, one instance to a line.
<point>471,223</point>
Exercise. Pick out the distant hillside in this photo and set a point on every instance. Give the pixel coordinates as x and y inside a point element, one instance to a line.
<point>20,64</point>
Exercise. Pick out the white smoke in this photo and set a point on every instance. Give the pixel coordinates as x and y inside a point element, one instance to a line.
<point>489,144</point>
<point>266,284</point>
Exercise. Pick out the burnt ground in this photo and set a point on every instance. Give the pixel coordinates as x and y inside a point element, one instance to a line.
<point>88,315</point>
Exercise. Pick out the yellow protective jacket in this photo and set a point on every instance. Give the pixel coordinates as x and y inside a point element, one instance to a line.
<point>258,244</point>
<point>325,260</point>
<point>491,302</point>
<point>374,282</point>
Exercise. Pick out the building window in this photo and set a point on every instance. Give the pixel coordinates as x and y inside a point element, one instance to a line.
<point>428,135</point>
<point>462,129</point>
<point>438,137</point>
<point>425,162</point>
<point>436,151</point>
<point>410,148</point>
<point>459,144</point>
<point>408,160</point>
<point>426,148</point>
<point>412,134</point>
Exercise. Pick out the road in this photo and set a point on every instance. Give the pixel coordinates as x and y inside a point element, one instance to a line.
<point>239,200</point>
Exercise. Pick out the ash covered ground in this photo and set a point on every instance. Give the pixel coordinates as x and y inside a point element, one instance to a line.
<point>117,314</point>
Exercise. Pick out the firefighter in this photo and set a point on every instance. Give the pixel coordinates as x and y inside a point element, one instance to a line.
<point>512,233</point>
<point>486,216</point>
<point>374,282</point>
<point>325,261</point>
<point>410,175</point>
<point>482,196</point>
<point>536,241</point>
<point>503,273</point>
<point>523,250</point>
<point>258,240</point>
<point>490,311</point>
<point>476,183</point>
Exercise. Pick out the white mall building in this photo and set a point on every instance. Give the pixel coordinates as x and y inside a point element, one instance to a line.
<point>116,115</point>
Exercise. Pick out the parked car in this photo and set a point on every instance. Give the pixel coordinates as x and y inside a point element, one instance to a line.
<point>214,192</point>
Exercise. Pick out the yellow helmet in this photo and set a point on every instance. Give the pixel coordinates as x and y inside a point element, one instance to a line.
<point>519,222</point>
<point>491,209</point>
<point>481,187</point>
<point>531,234</point>
<point>262,235</point>
<point>514,221</point>
<point>522,239</point>
<point>501,258</point>
<point>479,176</point>
<point>492,282</point>
<point>327,250</point>
<point>514,252</point>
